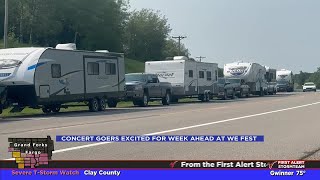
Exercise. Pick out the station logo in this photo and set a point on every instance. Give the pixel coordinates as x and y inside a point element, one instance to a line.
<point>287,165</point>
<point>31,152</point>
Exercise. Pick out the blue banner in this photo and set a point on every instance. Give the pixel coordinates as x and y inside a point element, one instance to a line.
<point>53,174</point>
<point>168,138</point>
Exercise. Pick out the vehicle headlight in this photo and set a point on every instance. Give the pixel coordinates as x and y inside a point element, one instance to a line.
<point>139,87</point>
<point>9,63</point>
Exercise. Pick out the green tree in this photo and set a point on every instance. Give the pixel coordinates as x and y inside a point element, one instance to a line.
<point>146,34</point>
<point>172,49</point>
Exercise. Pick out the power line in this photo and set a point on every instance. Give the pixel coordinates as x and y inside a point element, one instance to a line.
<point>200,58</point>
<point>5,37</point>
<point>179,40</point>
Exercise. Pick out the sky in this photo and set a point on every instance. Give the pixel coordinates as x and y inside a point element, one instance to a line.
<point>281,34</point>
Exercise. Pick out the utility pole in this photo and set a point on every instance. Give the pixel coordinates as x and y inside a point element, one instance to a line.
<point>5,37</point>
<point>201,57</point>
<point>179,40</point>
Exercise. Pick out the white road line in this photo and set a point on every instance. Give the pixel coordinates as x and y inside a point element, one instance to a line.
<point>185,128</point>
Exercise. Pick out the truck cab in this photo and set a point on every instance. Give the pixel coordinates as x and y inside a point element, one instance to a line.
<point>226,89</point>
<point>142,88</point>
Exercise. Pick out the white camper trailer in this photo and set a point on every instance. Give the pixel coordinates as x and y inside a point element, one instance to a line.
<point>253,74</point>
<point>285,80</point>
<point>188,77</point>
<point>49,77</point>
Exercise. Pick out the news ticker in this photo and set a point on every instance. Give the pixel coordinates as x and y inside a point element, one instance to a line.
<point>158,138</point>
<point>281,164</point>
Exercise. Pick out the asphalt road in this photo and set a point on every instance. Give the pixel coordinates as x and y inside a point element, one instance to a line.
<point>290,123</point>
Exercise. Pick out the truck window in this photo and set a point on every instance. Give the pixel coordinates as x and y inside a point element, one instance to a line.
<point>111,69</point>
<point>93,68</point>
<point>55,70</point>
<point>209,77</point>
<point>190,73</point>
<point>201,74</point>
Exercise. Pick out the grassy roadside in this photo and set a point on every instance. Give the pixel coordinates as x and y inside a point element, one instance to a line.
<point>30,112</point>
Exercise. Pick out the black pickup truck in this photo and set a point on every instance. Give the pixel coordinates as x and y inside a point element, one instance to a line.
<point>142,88</point>
<point>225,89</point>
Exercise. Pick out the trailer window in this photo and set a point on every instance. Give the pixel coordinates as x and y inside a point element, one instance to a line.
<point>201,74</point>
<point>111,69</point>
<point>55,70</point>
<point>209,76</point>
<point>93,68</point>
<point>191,73</point>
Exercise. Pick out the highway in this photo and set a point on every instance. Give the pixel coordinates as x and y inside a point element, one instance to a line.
<point>290,123</point>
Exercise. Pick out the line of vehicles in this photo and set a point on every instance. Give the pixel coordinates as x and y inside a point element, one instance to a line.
<point>52,78</point>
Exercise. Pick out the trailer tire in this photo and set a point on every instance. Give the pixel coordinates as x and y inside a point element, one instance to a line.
<point>207,97</point>
<point>55,109</point>
<point>46,110</point>
<point>240,94</point>
<point>94,105</point>
<point>112,103</point>
<point>167,99</point>
<point>102,104</point>
<point>225,97</point>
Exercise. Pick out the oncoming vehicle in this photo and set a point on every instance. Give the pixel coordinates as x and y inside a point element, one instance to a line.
<point>309,86</point>
<point>142,88</point>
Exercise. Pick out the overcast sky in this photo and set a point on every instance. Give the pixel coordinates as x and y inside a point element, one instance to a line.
<point>277,33</point>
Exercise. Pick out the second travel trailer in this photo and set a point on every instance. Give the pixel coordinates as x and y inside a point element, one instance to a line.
<point>47,78</point>
<point>189,78</point>
<point>285,81</point>
<point>252,74</point>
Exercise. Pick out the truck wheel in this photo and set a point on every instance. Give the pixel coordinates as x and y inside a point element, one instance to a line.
<point>55,109</point>
<point>174,100</point>
<point>46,109</point>
<point>102,104</point>
<point>225,97</point>
<point>94,105</point>
<point>167,99</point>
<point>112,103</point>
<point>233,94</point>
<point>145,100</point>
<point>207,97</point>
<point>240,94</point>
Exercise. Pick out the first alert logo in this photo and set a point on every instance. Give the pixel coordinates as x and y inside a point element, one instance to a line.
<point>102,173</point>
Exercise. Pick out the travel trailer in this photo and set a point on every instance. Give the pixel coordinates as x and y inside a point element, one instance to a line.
<point>188,77</point>
<point>48,78</point>
<point>285,81</point>
<point>252,74</point>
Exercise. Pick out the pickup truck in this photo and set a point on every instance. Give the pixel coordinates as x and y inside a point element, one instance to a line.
<point>142,88</point>
<point>272,88</point>
<point>225,89</point>
<point>240,88</point>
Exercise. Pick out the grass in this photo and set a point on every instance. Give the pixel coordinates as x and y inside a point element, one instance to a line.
<point>133,66</point>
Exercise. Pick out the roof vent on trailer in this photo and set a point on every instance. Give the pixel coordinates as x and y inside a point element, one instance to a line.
<point>69,46</point>
<point>102,51</point>
<point>180,58</point>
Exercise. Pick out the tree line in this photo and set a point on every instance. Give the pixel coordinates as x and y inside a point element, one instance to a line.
<point>304,77</point>
<point>92,25</point>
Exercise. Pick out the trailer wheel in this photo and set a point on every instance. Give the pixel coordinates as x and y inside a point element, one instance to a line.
<point>112,103</point>
<point>240,94</point>
<point>55,109</point>
<point>145,100</point>
<point>46,110</point>
<point>102,104</point>
<point>167,99</point>
<point>207,97</point>
<point>94,105</point>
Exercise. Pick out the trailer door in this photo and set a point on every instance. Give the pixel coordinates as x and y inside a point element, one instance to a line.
<point>101,76</point>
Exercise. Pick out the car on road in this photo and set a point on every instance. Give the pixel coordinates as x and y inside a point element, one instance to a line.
<point>282,86</point>
<point>240,88</point>
<point>225,89</point>
<point>309,86</point>
<point>142,88</point>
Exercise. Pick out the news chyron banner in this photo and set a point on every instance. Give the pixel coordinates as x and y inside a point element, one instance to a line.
<point>31,152</point>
